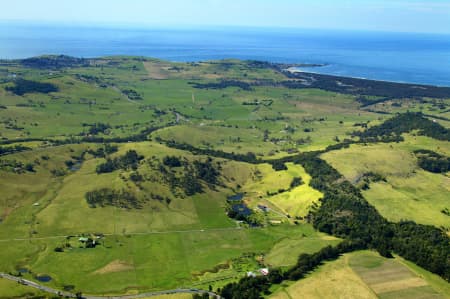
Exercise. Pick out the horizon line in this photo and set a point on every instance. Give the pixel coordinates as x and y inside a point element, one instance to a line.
<point>148,26</point>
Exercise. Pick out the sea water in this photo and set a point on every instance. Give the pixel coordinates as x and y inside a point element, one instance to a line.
<point>401,57</point>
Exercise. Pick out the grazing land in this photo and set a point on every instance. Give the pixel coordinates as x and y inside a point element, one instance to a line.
<point>409,192</point>
<point>365,275</point>
<point>126,175</point>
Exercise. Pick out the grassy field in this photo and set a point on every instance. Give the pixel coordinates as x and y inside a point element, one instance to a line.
<point>175,240</point>
<point>10,289</point>
<point>160,246</point>
<point>295,202</point>
<point>285,253</point>
<point>131,263</point>
<point>365,275</point>
<point>410,192</point>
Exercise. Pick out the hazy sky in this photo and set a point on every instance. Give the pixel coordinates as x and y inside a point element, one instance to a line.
<point>390,15</point>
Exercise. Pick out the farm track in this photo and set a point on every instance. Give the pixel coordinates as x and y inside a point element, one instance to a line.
<point>130,234</point>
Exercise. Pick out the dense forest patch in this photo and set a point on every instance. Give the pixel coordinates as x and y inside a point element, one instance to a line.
<point>22,86</point>
<point>109,197</point>
<point>366,87</point>
<point>128,161</point>
<point>223,84</point>
<point>404,123</point>
<point>432,161</point>
<point>54,62</point>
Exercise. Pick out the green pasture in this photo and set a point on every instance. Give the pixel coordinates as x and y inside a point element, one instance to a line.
<point>365,274</point>
<point>410,192</point>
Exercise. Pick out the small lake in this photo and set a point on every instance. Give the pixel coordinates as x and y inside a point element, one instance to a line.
<point>242,209</point>
<point>44,278</point>
<point>76,166</point>
<point>236,197</point>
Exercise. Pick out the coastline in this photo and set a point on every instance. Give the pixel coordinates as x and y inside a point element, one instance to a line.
<point>394,57</point>
<point>295,70</point>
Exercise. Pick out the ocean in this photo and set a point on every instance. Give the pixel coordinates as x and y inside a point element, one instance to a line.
<point>400,57</point>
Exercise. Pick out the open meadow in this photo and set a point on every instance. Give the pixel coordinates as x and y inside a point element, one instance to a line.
<point>124,175</point>
<point>409,192</point>
<point>366,275</point>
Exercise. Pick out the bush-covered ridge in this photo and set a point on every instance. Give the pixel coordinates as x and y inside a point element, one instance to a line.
<point>344,85</point>
<point>405,123</point>
<point>367,87</point>
<point>54,62</point>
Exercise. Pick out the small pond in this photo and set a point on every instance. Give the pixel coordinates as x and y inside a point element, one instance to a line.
<point>236,197</point>
<point>44,278</point>
<point>241,210</point>
<point>76,166</point>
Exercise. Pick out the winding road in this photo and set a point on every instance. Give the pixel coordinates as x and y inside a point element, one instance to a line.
<point>46,289</point>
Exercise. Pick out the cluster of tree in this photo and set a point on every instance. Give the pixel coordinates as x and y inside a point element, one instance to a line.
<point>54,62</point>
<point>136,177</point>
<point>302,141</point>
<point>57,172</point>
<point>424,245</point>
<point>103,151</point>
<point>141,136</point>
<point>69,163</point>
<point>109,197</point>
<point>366,87</point>
<point>404,123</point>
<point>6,150</point>
<point>192,176</point>
<point>308,262</point>
<point>22,86</point>
<point>130,160</point>
<point>98,128</point>
<point>190,183</point>
<point>132,94</point>
<point>251,287</point>
<point>278,165</point>
<point>17,140</point>
<point>249,157</point>
<point>196,173</point>
<point>369,177</point>
<point>367,102</point>
<point>258,64</point>
<point>89,79</point>
<point>16,166</point>
<point>432,161</point>
<point>297,181</point>
<point>206,171</point>
<point>172,161</point>
<point>223,84</point>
